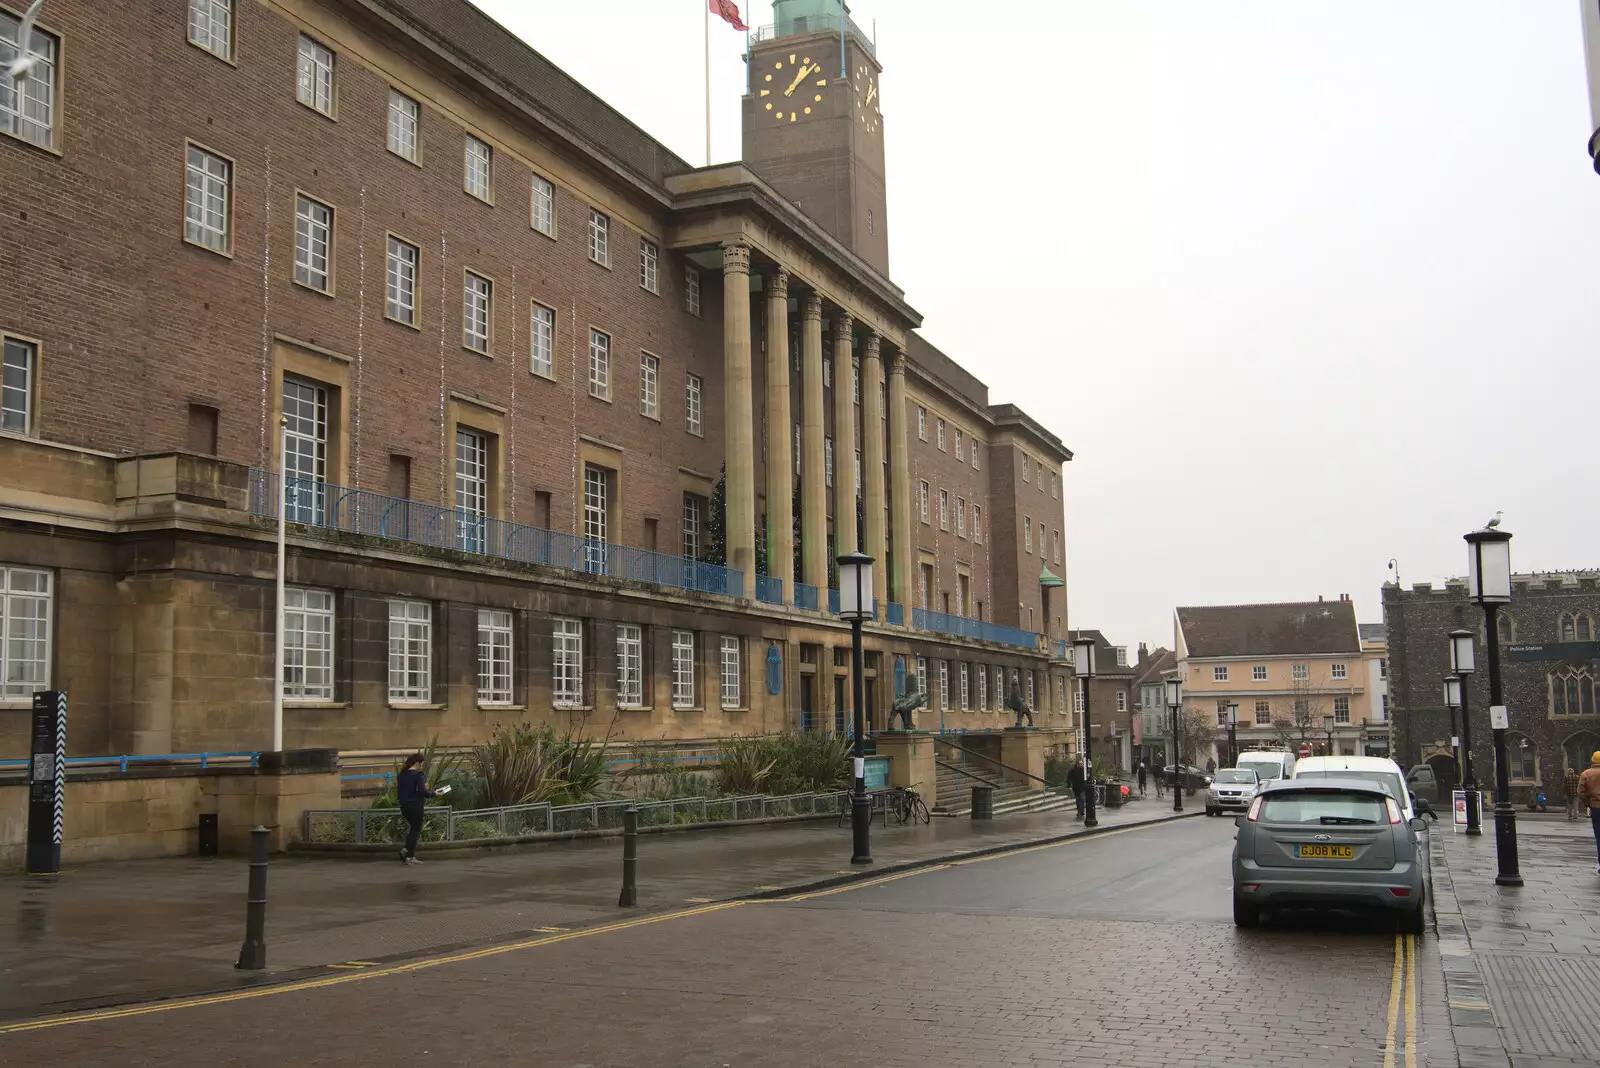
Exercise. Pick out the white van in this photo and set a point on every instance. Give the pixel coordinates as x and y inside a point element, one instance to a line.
<point>1381,770</point>
<point>1268,764</point>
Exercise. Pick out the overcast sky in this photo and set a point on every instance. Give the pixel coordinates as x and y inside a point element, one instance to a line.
<point>1303,286</point>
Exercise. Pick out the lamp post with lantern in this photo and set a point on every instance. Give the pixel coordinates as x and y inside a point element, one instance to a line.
<point>1462,662</point>
<point>1174,707</point>
<point>1327,728</point>
<point>1083,665</point>
<point>1489,585</point>
<point>856,605</point>
<point>1452,701</point>
<point>1233,734</point>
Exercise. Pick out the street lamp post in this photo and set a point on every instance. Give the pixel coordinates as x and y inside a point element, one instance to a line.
<point>1489,584</point>
<point>856,605</point>
<point>1462,663</point>
<point>1174,706</point>
<point>1452,701</point>
<point>1327,728</point>
<point>1083,665</point>
<point>1233,734</point>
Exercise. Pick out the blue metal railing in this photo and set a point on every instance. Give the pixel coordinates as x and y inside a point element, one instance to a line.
<point>945,623</point>
<point>322,504</point>
<point>896,615</point>
<point>122,762</point>
<point>1061,649</point>
<point>769,589</point>
<point>833,602</point>
<point>805,596</point>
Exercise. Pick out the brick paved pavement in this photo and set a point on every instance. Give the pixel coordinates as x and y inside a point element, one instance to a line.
<point>117,932</point>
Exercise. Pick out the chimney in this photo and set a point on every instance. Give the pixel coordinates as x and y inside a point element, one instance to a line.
<point>1319,598</point>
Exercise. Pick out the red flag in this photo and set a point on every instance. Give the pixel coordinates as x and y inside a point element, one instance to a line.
<point>728,11</point>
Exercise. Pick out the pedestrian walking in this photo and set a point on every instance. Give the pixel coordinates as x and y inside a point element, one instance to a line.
<point>1569,786</point>
<point>1144,772</point>
<point>1161,782</point>
<point>1589,791</point>
<point>414,793</point>
<point>1075,779</point>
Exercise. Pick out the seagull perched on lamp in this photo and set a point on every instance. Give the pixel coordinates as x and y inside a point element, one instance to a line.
<point>1491,524</point>
<point>26,58</point>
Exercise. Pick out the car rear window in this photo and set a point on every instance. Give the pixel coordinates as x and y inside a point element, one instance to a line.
<point>1266,769</point>
<point>1386,779</point>
<point>1235,776</point>
<point>1324,806</point>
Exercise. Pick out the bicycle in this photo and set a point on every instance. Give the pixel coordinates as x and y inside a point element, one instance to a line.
<point>909,806</point>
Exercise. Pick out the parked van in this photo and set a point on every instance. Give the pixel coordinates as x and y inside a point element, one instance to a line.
<point>1268,764</point>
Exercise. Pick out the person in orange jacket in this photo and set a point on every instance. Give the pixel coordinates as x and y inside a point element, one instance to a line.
<point>1589,793</point>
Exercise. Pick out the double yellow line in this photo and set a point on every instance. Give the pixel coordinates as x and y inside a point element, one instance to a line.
<point>1402,991</point>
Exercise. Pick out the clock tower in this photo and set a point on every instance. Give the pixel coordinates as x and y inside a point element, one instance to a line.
<point>813,124</point>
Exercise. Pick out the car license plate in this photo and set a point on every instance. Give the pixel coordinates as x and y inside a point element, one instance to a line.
<point>1307,851</point>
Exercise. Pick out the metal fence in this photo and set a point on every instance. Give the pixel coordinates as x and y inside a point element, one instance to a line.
<point>805,596</point>
<point>945,623</point>
<point>815,23</point>
<point>769,589</point>
<point>125,761</point>
<point>386,825</point>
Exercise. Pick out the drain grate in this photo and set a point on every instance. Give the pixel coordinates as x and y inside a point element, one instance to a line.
<point>1545,1005</point>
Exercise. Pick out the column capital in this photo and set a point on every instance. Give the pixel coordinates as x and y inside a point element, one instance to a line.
<point>778,283</point>
<point>811,307</point>
<point>735,259</point>
<point>873,341</point>
<point>844,324</point>
<point>897,362</point>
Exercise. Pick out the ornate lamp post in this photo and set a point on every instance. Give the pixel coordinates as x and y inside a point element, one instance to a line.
<point>1083,665</point>
<point>1489,584</point>
<point>856,604</point>
<point>1233,734</point>
<point>1452,701</point>
<point>1327,728</point>
<point>1175,706</point>
<point>1462,663</point>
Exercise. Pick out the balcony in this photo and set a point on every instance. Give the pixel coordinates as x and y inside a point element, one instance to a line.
<point>961,626</point>
<point>769,589</point>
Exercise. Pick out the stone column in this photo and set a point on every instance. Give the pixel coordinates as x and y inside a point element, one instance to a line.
<point>844,437</point>
<point>780,442</point>
<point>900,486</point>
<point>813,479</point>
<point>874,503</point>
<point>738,414</point>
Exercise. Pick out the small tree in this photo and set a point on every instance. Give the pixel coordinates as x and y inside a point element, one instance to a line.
<point>1196,734</point>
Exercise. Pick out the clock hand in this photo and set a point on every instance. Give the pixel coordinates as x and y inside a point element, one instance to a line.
<point>798,78</point>
<point>872,92</point>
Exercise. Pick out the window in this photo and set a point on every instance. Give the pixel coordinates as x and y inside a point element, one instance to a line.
<point>596,516</point>
<point>477,296</point>
<point>316,75</point>
<point>1258,673</point>
<point>404,114</point>
<point>944,684</point>
<point>479,167</point>
<point>960,455</point>
<point>16,385</point>
<point>855,380</point>
<point>999,688</point>
<point>1263,713</point>
<point>869,221</point>
<point>961,517</point>
<point>1027,533</point>
<point>977,523</point>
<point>599,238</point>
<point>1572,693</point>
<point>1507,628</point>
<point>827,373</point>
<point>1077,699</point>
<point>630,666</point>
<point>305,408</point>
<point>566,663</point>
<point>1029,679</point>
<point>691,404</point>
<point>944,509</point>
<point>691,293</point>
<point>649,266</point>
<point>1122,656</point>
<point>207,200</point>
<point>1339,672</point>
<point>1300,672</point>
<point>400,282</point>
<point>599,364</point>
<point>963,687</point>
<point>1054,489</point>
<point>27,109</point>
<point>542,341</point>
<point>313,244</point>
<point>25,610</point>
<point>922,423</point>
<point>922,489</point>
<point>682,669</point>
<point>983,688</point>
<point>542,206</point>
<point>472,488</point>
<point>1219,673</point>
<point>795,452</point>
<point>211,26</point>
<point>732,672</point>
<point>1055,545</point>
<point>1383,669</point>
<point>691,526</point>
<point>1341,710</point>
<point>858,472</point>
<point>974,455</point>
<point>922,677</point>
<point>649,386</point>
<point>1522,762</point>
<point>939,434</point>
<point>827,459</point>
<point>1575,627</point>
<point>1027,469</point>
<point>307,645</point>
<point>410,650</point>
<point>494,657</point>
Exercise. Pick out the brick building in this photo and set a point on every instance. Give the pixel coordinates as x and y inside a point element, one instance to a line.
<point>1548,673</point>
<point>1117,732</point>
<point>513,344</point>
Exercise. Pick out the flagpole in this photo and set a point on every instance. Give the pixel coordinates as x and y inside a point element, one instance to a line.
<point>708,84</point>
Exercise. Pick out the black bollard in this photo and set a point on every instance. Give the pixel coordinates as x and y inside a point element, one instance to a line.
<point>253,954</point>
<point>630,858</point>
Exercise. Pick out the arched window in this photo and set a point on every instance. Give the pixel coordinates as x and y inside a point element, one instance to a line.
<point>1575,627</point>
<point>1522,760</point>
<point>1504,624</point>
<point>1572,691</point>
<point>1578,748</point>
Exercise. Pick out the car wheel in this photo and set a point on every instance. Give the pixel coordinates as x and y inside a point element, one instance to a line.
<point>1245,914</point>
<point>1210,811</point>
<point>1415,922</point>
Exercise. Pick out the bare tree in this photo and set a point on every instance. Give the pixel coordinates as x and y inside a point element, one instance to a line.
<point>1197,730</point>
<point>1303,720</point>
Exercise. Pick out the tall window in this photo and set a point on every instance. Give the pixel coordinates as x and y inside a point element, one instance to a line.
<point>596,515</point>
<point>599,238</point>
<point>400,282</point>
<point>944,509</point>
<point>477,296</point>
<point>1339,672</point>
<point>961,517</point>
<point>649,386</point>
<point>827,460</point>
<point>649,265</point>
<point>599,364</point>
<point>1507,627</point>
<point>542,341</point>
<point>691,404</point>
<point>977,523</point>
<point>479,167</point>
<point>404,114</point>
<point>1258,673</point>
<point>983,688</point>
<point>1028,678</point>
<point>410,650</point>
<point>28,108</point>
<point>1522,764</point>
<point>305,408</point>
<point>922,491</point>
<point>1219,673</point>
<point>566,663</point>
<point>922,423</point>
<point>691,290</point>
<point>316,75</point>
<point>944,684</point>
<point>542,206</point>
<point>211,26</point>
<point>855,380</point>
<point>307,644</point>
<point>1027,533</point>
<point>16,385</point>
<point>963,687</point>
<point>25,609</point>
<point>732,671</point>
<point>999,688</point>
<point>1300,672</point>
<point>683,669</point>
<point>313,244</point>
<point>494,657</point>
<point>1341,710</point>
<point>630,665</point>
<point>1122,701</point>
<point>1575,627</point>
<point>1572,692</point>
<point>1055,545</point>
<point>207,200</point>
<point>472,487</point>
<point>691,527</point>
<point>974,455</point>
<point>939,433</point>
<point>1263,713</point>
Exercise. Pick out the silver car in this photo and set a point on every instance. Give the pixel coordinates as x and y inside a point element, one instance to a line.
<point>1327,843</point>
<point>1231,788</point>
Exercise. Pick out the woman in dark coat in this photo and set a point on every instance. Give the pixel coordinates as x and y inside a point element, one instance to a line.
<point>414,793</point>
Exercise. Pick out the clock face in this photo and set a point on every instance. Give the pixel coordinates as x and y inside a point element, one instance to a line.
<point>792,88</point>
<point>867,111</point>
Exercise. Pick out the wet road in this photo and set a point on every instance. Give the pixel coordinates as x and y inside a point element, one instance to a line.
<point>1117,950</point>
